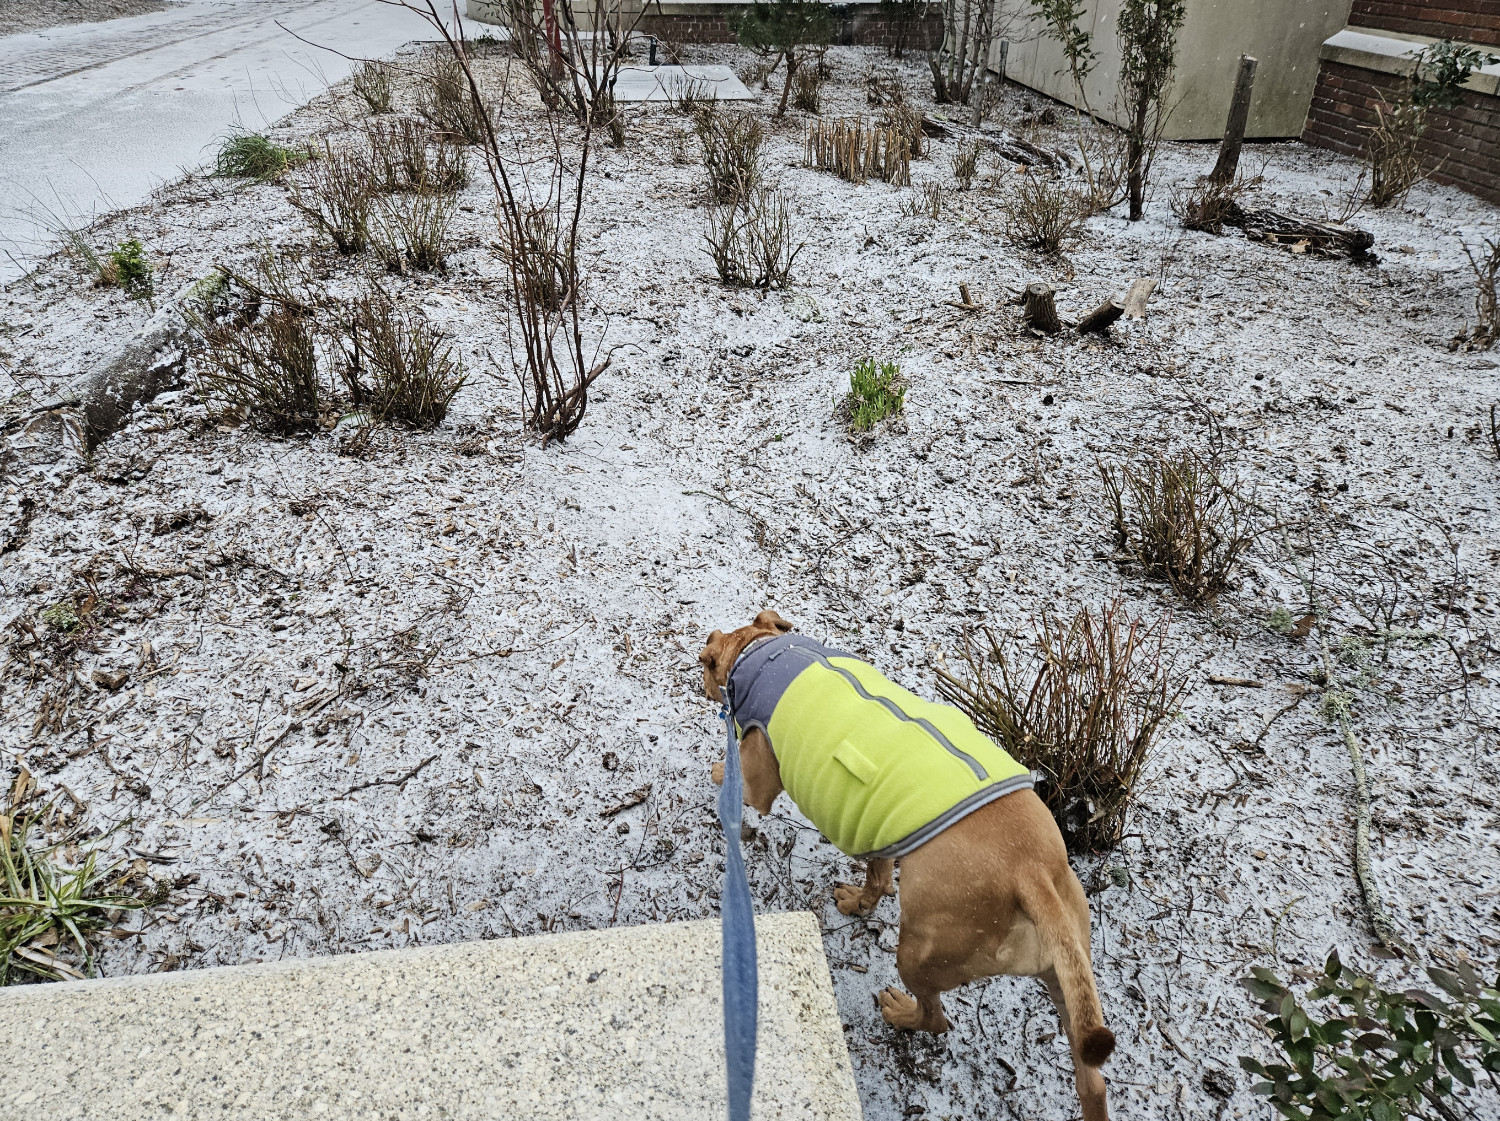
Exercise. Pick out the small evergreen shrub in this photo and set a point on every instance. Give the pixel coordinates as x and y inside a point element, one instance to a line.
<point>126,268</point>
<point>1382,1054</point>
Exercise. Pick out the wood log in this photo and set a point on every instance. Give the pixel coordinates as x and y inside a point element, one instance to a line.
<point>1301,235</point>
<point>1234,128</point>
<point>1098,320</point>
<point>1012,148</point>
<point>1041,307</point>
<point>1140,292</point>
<point>98,403</point>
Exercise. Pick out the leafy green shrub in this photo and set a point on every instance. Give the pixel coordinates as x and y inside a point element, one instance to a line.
<point>1436,81</point>
<point>126,268</point>
<point>873,393</point>
<point>249,155</point>
<point>1383,1054</point>
<point>789,31</point>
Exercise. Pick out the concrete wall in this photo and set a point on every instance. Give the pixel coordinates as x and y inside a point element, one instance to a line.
<point>1285,35</point>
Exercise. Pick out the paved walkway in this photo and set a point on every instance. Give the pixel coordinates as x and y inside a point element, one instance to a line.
<point>95,116</point>
<point>599,1025</point>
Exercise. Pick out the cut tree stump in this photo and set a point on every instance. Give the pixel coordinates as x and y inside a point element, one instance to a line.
<point>1140,292</point>
<point>1300,235</point>
<point>1098,320</point>
<point>1041,307</point>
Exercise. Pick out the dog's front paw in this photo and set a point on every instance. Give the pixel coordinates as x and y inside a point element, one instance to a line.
<point>718,774</point>
<point>851,900</point>
<point>898,1009</point>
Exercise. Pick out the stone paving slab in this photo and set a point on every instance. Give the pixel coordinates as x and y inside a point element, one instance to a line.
<point>623,1023</point>
<point>668,83</point>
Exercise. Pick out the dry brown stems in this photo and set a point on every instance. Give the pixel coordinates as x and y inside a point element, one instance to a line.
<point>857,151</point>
<point>1082,706</point>
<point>1042,213</point>
<point>1181,519</point>
<point>396,366</point>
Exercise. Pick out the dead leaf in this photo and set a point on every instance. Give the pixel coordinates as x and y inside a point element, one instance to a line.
<point>110,681</point>
<point>1303,626</point>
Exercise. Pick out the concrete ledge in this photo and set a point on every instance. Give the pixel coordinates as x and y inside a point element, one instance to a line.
<point>1391,52</point>
<point>593,1024</point>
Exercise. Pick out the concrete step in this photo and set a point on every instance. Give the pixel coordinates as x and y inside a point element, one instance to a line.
<point>590,1024</point>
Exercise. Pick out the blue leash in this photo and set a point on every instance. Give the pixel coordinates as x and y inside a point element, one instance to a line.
<point>741,983</point>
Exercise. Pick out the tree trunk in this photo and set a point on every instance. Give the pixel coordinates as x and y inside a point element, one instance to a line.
<point>1041,308</point>
<point>1234,128</point>
<point>786,89</point>
<point>1135,159</point>
<point>1102,316</point>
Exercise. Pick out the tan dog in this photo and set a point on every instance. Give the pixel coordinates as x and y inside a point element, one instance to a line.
<point>991,894</point>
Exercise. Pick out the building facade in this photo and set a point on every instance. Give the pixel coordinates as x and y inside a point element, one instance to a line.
<point>1368,62</point>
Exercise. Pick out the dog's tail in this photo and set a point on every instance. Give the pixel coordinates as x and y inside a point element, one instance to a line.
<point>1070,960</point>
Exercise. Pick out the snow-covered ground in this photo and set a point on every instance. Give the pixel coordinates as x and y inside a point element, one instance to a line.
<point>375,701</point>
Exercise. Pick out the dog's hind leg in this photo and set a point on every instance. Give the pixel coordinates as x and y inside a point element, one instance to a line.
<point>928,977</point>
<point>853,900</point>
<point>1090,1081</point>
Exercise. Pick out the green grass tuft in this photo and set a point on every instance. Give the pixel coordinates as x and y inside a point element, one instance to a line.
<point>52,897</point>
<point>873,393</point>
<point>249,155</point>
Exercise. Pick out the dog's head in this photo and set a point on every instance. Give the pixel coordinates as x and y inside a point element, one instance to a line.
<point>721,650</point>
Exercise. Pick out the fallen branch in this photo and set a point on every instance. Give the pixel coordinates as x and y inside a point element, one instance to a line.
<point>1385,930</point>
<point>1099,320</point>
<point>402,781</point>
<point>1324,239</point>
<point>634,798</point>
<point>1011,148</point>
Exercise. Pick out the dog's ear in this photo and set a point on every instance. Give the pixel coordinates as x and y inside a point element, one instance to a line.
<point>711,649</point>
<point>769,618</point>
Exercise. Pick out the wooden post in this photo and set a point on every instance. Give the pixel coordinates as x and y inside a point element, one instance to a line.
<point>1041,308</point>
<point>1102,316</point>
<point>1234,128</point>
<point>1140,292</point>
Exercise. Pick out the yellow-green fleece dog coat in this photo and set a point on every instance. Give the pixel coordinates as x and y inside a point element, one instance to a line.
<point>877,769</point>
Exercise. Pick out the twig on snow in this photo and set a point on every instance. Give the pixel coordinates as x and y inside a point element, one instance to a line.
<point>1380,920</point>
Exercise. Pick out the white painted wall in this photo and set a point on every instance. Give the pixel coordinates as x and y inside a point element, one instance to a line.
<point>1285,35</point>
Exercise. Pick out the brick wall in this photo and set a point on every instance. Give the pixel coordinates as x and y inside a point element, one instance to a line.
<point>1461,146</point>
<point>863,25</point>
<point>1472,21</point>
